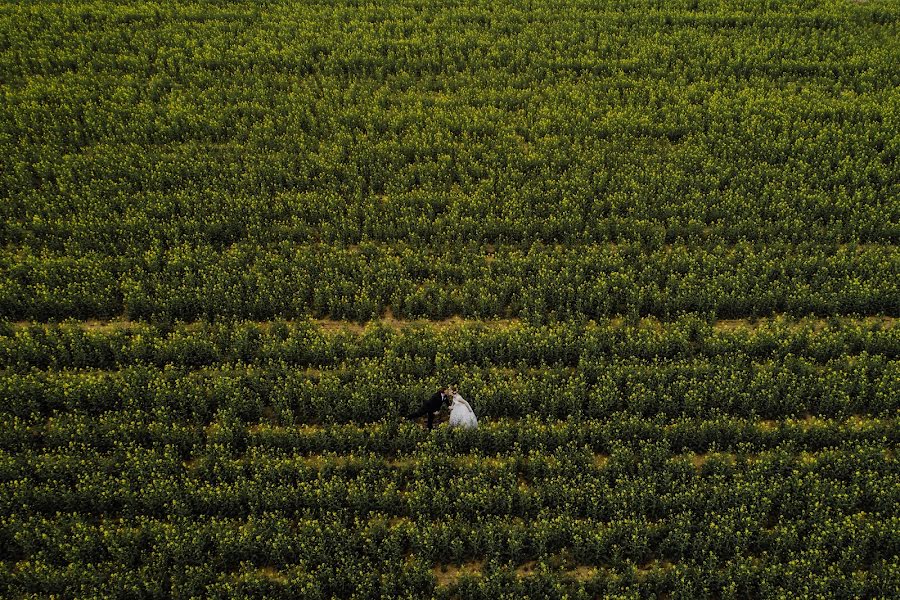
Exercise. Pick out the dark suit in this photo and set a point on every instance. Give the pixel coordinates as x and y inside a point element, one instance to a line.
<point>429,407</point>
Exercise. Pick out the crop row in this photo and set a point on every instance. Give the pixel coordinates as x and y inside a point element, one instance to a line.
<point>372,390</point>
<point>288,280</point>
<point>111,430</point>
<point>305,343</point>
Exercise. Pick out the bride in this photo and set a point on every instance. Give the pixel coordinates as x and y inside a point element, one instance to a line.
<point>461,413</point>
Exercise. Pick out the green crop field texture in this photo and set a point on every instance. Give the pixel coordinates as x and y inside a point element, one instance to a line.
<point>655,242</point>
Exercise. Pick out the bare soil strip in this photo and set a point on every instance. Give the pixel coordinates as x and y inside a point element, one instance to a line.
<point>804,422</point>
<point>490,463</point>
<point>388,320</point>
<point>449,574</point>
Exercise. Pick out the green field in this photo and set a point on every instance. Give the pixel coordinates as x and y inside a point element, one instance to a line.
<point>655,243</point>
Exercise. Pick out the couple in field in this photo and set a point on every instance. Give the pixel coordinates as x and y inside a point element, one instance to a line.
<point>461,413</point>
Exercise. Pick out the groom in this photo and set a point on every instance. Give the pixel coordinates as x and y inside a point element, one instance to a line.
<point>431,406</point>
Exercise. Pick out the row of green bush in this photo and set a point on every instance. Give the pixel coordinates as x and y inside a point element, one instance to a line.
<point>285,280</point>
<point>304,343</point>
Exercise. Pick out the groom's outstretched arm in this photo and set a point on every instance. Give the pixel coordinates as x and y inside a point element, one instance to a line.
<point>429,406</point>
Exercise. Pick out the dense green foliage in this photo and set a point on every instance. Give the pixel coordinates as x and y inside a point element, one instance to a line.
<point>604,181</point>
<point>612,459</point>
<point>308,376</point>
<point>269,159</point>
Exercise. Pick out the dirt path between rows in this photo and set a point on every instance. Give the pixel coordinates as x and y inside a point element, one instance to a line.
<point>390,321</point>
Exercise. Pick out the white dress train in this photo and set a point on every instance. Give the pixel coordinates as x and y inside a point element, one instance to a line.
<point>461,414</point>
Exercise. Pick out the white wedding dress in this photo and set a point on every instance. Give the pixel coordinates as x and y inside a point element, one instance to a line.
<point>461,414</point>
